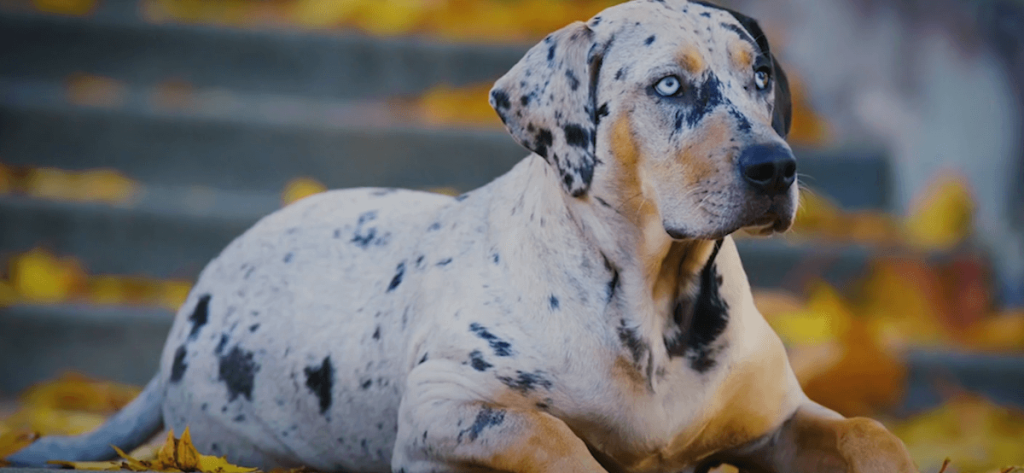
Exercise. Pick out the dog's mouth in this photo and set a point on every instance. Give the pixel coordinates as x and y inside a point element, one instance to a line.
<point>759,217</point>
<point>777,219</point>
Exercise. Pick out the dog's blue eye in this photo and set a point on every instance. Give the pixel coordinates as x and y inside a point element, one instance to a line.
<point>762,79</point>
<point>668,86</point>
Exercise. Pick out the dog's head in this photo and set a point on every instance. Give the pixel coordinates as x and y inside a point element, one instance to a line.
<point>663,108</point>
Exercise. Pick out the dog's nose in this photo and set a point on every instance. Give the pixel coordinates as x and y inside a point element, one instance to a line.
<point>768,168</point>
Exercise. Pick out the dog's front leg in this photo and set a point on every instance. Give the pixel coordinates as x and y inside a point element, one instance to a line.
<point>442,429</point>
<point>818,440</point>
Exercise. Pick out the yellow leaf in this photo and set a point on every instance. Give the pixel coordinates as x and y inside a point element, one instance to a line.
<point>941,216</point>
<point>112,465</point>
<point>131,463</point>
<point>107,186</point>
<point>95,91</point>
<point>15,440</point>
<point>173,294</point>
<point>976,434</point>
<point>185,455</point>
<point>211,464</point>
<point>165,457</point>
<point>300,188</point>
<point>450,191</point>
<point>78,393</point>
<point>6,180</point>
<point>65,7</point>
<point>825,318</point>
<point>42,278</point>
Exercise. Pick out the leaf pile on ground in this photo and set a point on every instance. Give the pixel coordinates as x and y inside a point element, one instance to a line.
<point>175,455</point>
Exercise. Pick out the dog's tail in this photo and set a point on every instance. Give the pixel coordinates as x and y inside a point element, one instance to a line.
<point>129,428</point>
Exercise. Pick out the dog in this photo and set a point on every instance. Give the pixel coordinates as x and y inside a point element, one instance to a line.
<point>585,312</point>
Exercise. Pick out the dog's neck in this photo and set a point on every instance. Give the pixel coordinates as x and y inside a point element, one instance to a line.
<point>624,244</point>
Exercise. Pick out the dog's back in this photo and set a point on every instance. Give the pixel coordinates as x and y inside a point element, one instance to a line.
<point>326,264</point>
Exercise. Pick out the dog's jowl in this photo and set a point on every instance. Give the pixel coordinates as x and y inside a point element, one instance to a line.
<point>585,312</point>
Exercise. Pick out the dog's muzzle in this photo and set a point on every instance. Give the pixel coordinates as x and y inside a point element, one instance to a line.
<point>769,170</point>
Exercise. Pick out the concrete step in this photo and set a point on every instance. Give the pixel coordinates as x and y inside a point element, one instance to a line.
<point>116,44</point>
<point>247,152</point>
<point>174,232</point>
<point>124,344</point>
<point>233,141</point>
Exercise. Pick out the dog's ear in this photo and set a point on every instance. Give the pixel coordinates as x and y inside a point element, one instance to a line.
<point>782,115</point>
<point>548,101</point>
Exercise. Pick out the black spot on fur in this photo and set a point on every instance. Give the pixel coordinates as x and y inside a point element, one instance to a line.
<point>526,382</point>
<point>501,100</point>
<point>320,381</point>
<point>179,366</point>
<point>701,321</point>
<point>576,135</point>
<point>254,327</point>
<point>595,21</point>
<point>238,372</point>
<point>496,258</point>
<point>434,227</point>
<point>553,301</point>
<point>602,112</point>
<point>574,82</point>
<point>395,281</point>
<point>524,100</point>
<point>376,333</point>
<point>742,123</point>
<point>631,339</point>
<point>486,418</point>
<point>705,15</point>
<point>613,284</point>
<point>200,315</point>
<point>500,347</point>
<point>620,74</point>
<point>221,344</point>
<point>542,141</point>
<point>423,359</point>
<point>288,257</point>
<point>705,98</point>
<point>444,262</point>
<point>650,40</point>
<point>551,52</point>
<point>364,236</point>
<point>366,384</point>
<point>476,360</point>
<point>462,197</point>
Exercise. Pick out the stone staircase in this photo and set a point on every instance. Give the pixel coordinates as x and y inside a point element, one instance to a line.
<point>265,107</point>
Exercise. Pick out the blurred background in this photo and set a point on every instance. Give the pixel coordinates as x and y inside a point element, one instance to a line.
<point>138,137</point>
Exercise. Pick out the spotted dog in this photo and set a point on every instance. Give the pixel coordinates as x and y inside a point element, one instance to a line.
<point>585,312</point>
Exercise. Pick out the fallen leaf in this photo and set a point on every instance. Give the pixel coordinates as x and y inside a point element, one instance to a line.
<point>112,465</point>
<point>39,277</point>
<point>975,433</point>
<point>185,455</point>
<point>15,440</point>
<point>95,91</point>
<point>300,188</point>
<point>65,7</point>
<point>941,216</point>
<point>76,392</point>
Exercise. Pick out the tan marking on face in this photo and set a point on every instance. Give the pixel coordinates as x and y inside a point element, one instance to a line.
<point>741,53</point>
<point>627,181</point>
<point>700,159</point>
<point>691,60</point>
